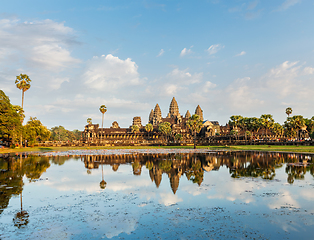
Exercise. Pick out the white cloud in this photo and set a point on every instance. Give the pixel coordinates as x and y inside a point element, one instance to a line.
<point>176,83</point>
<point>208,85</point>
<point>281,79</point>
<point>214,49</point>
<point>308,70</point>
<point>184,77</point>
<point>287,4</point>
<point>39,44</point>
<point>241,95</point>
<point>110,72</point>
<point>241,53</point>
<point>169,199</point>
<point>185,52</point>
<point>160,53</point>
<point>56,82</point>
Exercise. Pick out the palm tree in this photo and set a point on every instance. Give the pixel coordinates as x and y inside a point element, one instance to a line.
<point>103,110</point>
<point>288,111</point>
<point>22,82</point>
<point>278,129</point>
<point>267,122</point>
<point>195,124</point>
<point>149,128</point>
<point>165,129</point>
<point>135,129</point>
<point>89,120</point>
<point>298,123</point>
<point>244,124</point>
<point>235,121</point>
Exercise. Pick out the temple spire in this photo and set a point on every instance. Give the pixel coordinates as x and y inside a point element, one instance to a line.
<point>173,109</point>
<point>199,112</point>
<point>157,115</point>
<point>188,114</point>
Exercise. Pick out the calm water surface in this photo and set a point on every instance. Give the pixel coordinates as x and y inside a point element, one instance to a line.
<point>159,194</point>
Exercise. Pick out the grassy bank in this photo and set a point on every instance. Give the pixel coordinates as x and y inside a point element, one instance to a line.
<point>272,148</point>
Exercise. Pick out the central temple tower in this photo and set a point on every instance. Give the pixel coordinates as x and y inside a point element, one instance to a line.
<point>173,109</point>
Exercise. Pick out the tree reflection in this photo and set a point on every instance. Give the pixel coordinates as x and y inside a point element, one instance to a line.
<point>21,218</point>
<point>240,164</point>
<point>13,169</point>
<point>102,183</point>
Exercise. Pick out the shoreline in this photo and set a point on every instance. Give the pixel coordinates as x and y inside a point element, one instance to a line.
<point>259,148</point>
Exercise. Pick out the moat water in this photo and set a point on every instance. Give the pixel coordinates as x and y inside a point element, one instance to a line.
<point>157,194</point>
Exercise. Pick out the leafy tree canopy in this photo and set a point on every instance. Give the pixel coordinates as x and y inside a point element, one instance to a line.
<point>10,120</point>
<point>149,127</point>
<point>195,123</point>
<point>165,128</point>
<point>59,133</point>
<point>35,131</point>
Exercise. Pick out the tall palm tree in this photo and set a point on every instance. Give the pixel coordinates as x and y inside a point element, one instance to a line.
<point>288,111</point>
<point>103,110</point>
<point>22,82</point>
<point>195,124</point>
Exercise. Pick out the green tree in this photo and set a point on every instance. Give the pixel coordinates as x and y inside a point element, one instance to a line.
<point>244,124</point>
<point>234,132</point>
<point>309,123</point>
<point>298,124</point>
<point>103,110</point>
<point>10,120</point>
<point>89,120</point>
<point>135,129</point>
<point>77,133</point>
<point>20,112</point>
<point>35,131</point>
<point>59,133</point>
<point>149,128</point>
<point>235,122</point>
<point>22,82</point>
<point>165,129</point>
<point>293,124</point>
<point>288,111</point>
<point>267,122</point>
<point>278,129</point>
<point>255,125</point>
<point>195,124</point>
<point>178,137</point>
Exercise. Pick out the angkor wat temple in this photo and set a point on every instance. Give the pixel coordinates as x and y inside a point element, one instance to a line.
<point>115,135</point>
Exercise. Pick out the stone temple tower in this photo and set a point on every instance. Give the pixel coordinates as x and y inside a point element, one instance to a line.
<point>157,115</point>
<point>188,114</point>
<point>199,112</point>
<point>173,109</point>
<point>151,116</point>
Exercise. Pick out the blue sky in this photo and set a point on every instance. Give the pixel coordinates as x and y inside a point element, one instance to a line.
<point>230,57</point>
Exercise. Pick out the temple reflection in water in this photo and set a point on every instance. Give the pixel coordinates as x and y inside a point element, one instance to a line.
<point>57,190</point>
<point>240,164</point>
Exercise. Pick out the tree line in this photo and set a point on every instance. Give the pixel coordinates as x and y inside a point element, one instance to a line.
<point>291,128</point>
<point>12,130</point>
